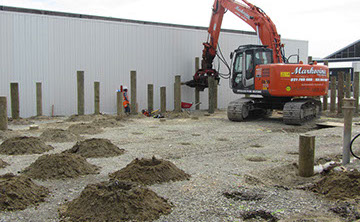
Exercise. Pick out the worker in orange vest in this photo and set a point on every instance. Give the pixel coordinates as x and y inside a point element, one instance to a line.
<point>126,102</point>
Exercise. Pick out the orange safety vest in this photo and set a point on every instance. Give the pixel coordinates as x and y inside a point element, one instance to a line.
<point>125,99</point>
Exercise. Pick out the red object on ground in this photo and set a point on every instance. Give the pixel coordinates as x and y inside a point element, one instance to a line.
<point>186,105</point>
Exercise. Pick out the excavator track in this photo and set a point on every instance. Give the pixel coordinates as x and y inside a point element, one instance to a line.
<point>300,111</point>
<point>239,109</point>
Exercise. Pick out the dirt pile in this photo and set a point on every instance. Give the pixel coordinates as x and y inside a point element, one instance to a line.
<point>59,136</point>
<point>107,123</point>
<point>3,163</point>
<point>339,185</point>
<point>150,171</point>
<point>24,145</point>
<point>80,118</point>
<point>8,134</point>
<point>85,128</point>
<point>115,201</point>
<point>177,115</point>
<point>19,192</point>
<point>93,148</point>
<point>20,122</point>
<point>60,166</point>
<point>286,176</point>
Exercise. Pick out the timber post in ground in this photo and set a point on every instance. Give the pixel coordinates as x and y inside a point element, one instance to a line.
<point>119,103</point>
<point>348,85</point>
<point>211,84</point>
<point>163,99</point>
<point>197,91</point>
<point>3,113</point>
<point>340,87</point>
<point>133,108</point>
<point>177,94</point>
<point>356,91</point>
<point>15,103</point>
<point>332,94</point>
<point>39,111</point>
<point>96,98</point>
<point>216,88</point>
<point>348,110</point>
<point>150,97</point>
<point>325,97</point>
<point>306,155</point>
<point>81,92</point>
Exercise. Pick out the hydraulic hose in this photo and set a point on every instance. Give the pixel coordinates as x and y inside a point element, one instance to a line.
<point>351,144</point>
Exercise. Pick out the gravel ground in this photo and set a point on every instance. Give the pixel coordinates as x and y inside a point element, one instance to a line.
<point>216,153</point>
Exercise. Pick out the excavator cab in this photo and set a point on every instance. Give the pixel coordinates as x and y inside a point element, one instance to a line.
<point>245,59</point>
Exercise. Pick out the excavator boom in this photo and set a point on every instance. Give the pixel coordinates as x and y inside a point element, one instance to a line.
<point>253,16</point>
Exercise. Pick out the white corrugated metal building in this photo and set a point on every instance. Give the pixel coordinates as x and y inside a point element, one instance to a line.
<point>49,47</point>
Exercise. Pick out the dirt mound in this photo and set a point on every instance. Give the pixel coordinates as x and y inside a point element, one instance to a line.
<point>24,145</point>
<point>60,166</point>
<point>177,115</point>
<point>18,192</point>
<point>115,201</point>
<point>286,176</point>
<point>93,148</point>
<point>107,123</point>
<point>20,122</point>
<point>8,134</point>
<point>339,185</point>
<point>3,164</point>
<point>59,136</point>
<point>150,171</point>
<point>80,118</point>
<point>85,128</point>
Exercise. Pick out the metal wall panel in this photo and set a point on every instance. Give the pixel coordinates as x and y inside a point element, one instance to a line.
<point>50,49</point>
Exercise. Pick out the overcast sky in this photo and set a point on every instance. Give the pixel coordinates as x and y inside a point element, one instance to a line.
<point>328,25</point>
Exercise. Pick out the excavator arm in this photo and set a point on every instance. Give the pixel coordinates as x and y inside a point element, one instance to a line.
<point>249,13</point>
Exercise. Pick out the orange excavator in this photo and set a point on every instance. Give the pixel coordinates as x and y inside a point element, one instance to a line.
<point>262,71</point>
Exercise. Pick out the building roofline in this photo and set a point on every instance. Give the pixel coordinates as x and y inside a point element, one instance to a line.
<point>334,53</point>
<point>103,18</point>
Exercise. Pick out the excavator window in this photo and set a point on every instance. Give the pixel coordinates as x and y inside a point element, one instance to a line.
<point>263,57</point>
<point>249,65</point>
<point>238,69</point>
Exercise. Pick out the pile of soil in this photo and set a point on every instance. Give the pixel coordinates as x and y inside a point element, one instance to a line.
<point>3,164</point>
<point>60,166</point>
<point>85,128</point>
<point>93,148</point>
<point>41,118</point>
<point>339,185</point>
<point>286,176</point>
<point>19,192</point>
<point>80,118</point>
<point>107,123</point>
<point>59,136</point>
<point>24,145</point>
<point>150,171</point>
<point>115,201</point>
<point>20,122</point>
<point>8,134</point>
<point>176,115</point>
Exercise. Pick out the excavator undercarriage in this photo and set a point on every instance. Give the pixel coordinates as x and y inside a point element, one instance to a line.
<point>295,111</point>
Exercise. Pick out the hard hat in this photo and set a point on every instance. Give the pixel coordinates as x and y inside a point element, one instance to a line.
<point>125,87</point>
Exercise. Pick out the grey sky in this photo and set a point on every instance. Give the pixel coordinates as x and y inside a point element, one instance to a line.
<point>328,25</point>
